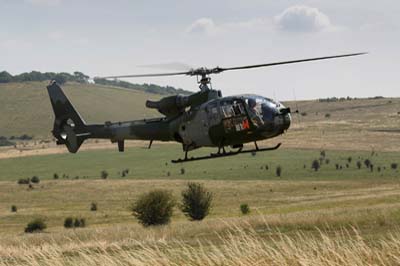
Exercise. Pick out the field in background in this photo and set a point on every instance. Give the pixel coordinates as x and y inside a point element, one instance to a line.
<point>335,216</point>
<point>364,124</point>
<point>26,107</point>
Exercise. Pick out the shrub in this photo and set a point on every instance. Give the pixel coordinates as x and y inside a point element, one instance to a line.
<point>358,164</point>
<point>327,161</point>
<point>322,154</point>
<point>55,176</point>
<point>393,166</point>
<point>349,159</point>
<point>315,165</point>
<point>244,208</point>
<point>69,222</point>
<point>182,171</point>
<point>77,222</point>
<point>196,201</point>
<point>367,163</point>
<point>36,225</point>
<point>35,179</point>
<point>154,208</point>
<point>82,222</point>
<point>24,181</point>
<point>278,171</point>
<point>303,114</point>
<point>328,115</point>
<point>93,206</point>
<point>13,208</point>
<point>104,174</point>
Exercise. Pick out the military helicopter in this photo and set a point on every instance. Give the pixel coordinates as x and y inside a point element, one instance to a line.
<point>203,119</point>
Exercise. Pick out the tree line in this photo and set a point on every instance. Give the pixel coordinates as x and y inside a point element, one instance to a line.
<point>79,77</point>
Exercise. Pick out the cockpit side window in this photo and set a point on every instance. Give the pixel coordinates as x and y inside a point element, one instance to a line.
<point>232,108</point>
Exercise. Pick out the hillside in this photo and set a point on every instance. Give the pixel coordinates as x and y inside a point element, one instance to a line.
<point>361,124</point>
<point>25,107</point>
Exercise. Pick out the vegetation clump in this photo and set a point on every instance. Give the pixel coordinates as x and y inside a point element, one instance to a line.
<point>393,166</point>
<point>154,208</point>
<point>70,222</point>
<point>315,165</point>
<point>196,201</point>
<point>93,206</point>
<point>13,208</point>
<point>36,225</point>
<point>35,179</point>
<point>24,181</point>
<point>278,171</point>
<point>244,208</point>
<point>104,174</point>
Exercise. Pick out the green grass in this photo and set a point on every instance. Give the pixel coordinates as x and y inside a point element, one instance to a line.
<point>25,107</point>
<point>155,164</point>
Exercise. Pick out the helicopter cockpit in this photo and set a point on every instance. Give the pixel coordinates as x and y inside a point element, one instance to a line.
<point>262,110</point>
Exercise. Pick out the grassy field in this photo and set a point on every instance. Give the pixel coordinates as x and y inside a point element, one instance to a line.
<point>26,106</point>
<point>336,213</point>
<point>343,125</point>
<point>335,216</point>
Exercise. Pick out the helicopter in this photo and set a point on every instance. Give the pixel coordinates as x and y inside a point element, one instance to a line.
<point>202,119</point>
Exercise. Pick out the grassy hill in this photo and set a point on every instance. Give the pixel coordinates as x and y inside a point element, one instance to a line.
<point>348,124</point>
<point>26,109</point>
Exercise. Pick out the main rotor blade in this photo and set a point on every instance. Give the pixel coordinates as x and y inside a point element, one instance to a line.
<point>220,69</point>
<point>148,75</point>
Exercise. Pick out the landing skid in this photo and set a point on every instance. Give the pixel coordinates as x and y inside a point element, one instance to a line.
<point>226,154</point>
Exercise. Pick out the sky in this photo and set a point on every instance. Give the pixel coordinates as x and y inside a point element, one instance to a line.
<point>102,38</point>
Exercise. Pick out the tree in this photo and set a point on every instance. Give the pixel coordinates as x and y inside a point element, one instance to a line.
<point>154,208</point>
<point>5,77</point>
<point>60,79</point>
<point>196,201</point>
<point>80,77</point>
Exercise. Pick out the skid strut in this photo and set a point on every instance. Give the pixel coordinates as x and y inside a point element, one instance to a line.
<point>225,154</point>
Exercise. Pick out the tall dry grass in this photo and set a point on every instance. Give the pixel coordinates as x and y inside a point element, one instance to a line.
<point>239,245</point>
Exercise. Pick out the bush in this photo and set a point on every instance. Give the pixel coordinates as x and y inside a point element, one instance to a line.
<point>244,208</point>
<point>13,208</point>
<point>77,222</point>
<point>154,208</point>
<point>55,176</point>
<point>36,225</point>
<point>104,174</point>
<point>35,179</point>
<point>24,181</point>
<point>367,163</point>
<point>182,171</point>
<point>278,171</point>
<point>196,201</point>
<point>82,222</point>
<point>358,164</point>
<point>393,166</point>
<point>315,165</point>
<point>349,159</point>
<point>69,222</point>
<point>328,115</point>
<point>93,206</point>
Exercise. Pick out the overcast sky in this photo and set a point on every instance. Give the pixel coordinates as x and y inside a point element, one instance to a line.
<point>101,37</point>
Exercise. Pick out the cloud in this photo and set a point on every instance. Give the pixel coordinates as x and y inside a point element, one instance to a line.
<point>303,19</point>
<point>203,25</point>
<point>44,2</point>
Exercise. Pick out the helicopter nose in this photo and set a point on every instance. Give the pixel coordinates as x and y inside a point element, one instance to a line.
<point>284,118</point>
